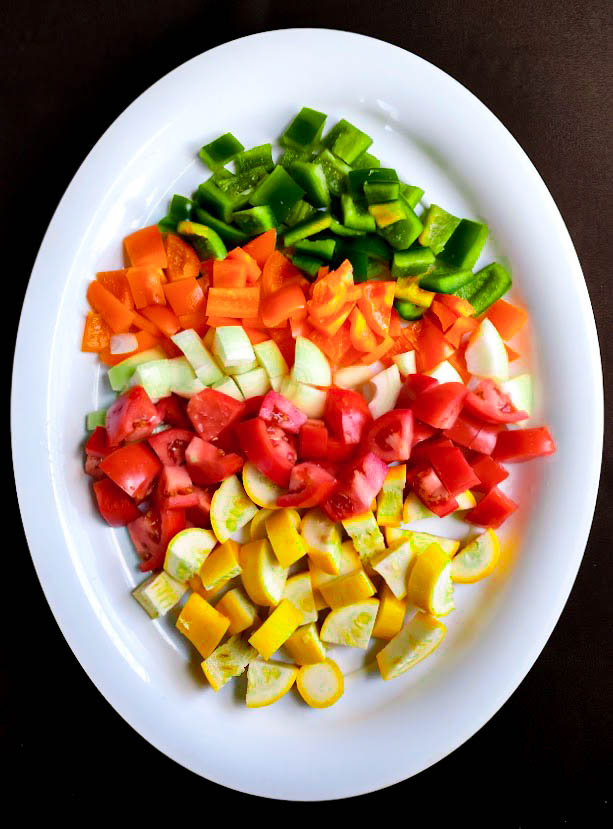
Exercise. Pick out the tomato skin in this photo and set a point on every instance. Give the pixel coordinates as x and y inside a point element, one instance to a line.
<point>174,480</point>
<point>133,468</point>
<point>491,511</point>
<point>212,411</point>
<point>269,448</point>
<point>309,485</point>
<point>489,472</point>
<point>152,532</point>
<point>277,410</point>
<point>172,411</point>
<point>199,515</point>
<point>474,434</point>
<point>422,452</point>
<point>132,417</point>
<point>453,469</point>
<point>440,405</point>
<point>170,445</point>
<point>208,464</point>
<point>522,445</point>
<point>252,406</point>
<point>313,440</point>
<point>487,402</point>
<point>412,387</point>
<point>360,482</point>
<point>114,505</point>
<point>92,467</point>
<point>432,492</point>
<point>346,414</point>
<point>421,431</point>
<point>390,436</point>
<point>339,452</point>
<point>98,445</point>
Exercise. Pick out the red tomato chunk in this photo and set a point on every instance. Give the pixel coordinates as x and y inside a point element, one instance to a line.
<point>440,405</point>
<point>487,402</point>
<point>313,440</point>
<point>212,411</point>
<point>151,534</point>
<point>390,437</point>
<point>172,411</point>
<point>488,471</point>
<point>115,506</point>
<point>346,415</point>
<point>361,481</point>
<point>132,417</point>
<point>453,469</point>
<point>433,493</point>
<point>277,410</point>
<point>207,464</point>
<point>309,485</point>
<point>523,445</point>
<point>133,468</point>
<point>269,448</point>
<point>492,510</point>
<point>170,445</point>
<point>412,387</point>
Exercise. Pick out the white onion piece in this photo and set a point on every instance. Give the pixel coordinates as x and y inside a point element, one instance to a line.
<point>123,343</point>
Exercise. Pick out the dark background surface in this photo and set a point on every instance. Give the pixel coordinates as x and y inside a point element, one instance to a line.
<point>67,70</point>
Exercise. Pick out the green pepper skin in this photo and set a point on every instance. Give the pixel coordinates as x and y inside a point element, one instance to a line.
<point>305,130</point>
<point>256,220</point>
<point>320,248</point>
<point>412,262</point>
<point>492,282</point>
<point>279,191</point>
<point>309,264</point>
<point>317,223</point>
<point>231,235</point>
<point>465,244</point>
<point>260,156</point>
<point>312,179</point>
<point>355,214</point>
<point>347,141</point>
<point>446,283</point>
<point>407,310</point>
<point>221,151</point>
<point>438,228</point>
<point>300,211</point>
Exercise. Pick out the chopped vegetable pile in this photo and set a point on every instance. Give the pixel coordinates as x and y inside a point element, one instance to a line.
<point>305,362</point>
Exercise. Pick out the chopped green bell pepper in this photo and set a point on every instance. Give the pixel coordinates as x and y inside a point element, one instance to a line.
<point>299,212</point>
<point>387,213</point>
<point>206,243</point>
<point>335,171</point>
<point>355,214</point>
<point>359,260</point>
<point>438,228</point>
<point>374,247</point>
<point>256,220</point>
<point>380,191</point>
<point>168,224</point>
<point>180,207</point>
<point>408,310</point>
<point>356,179</point>
<point>260,156</point>
<point>365,161</point>
<point>346,141</point>
<point>442,282</point>
<point>411,194</point>
<point>305,130</point>
<point>490,284</point>
<point>291,155</point>
<point>401,232</point>
<point>209,195</point>
<point>412,262</point>
<point>232,236</point>
<point>279,191</point>
<point>312,179</point>
<point>306,263</point>
<point>239,188</point>
<point>321,248</point>
<point>465,244</point>
<point>221,151</point>
<point>346,232</point>
<point>313,225</point>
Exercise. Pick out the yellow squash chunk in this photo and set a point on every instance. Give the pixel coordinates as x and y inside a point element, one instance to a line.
<point>196,585</point>
<point>320,685</point>
<point>414,510</point>
<point>268,681</point>
<point>261,489</point>
<point>187,552</point>
<point>279,626</point>
<point>257,528</point>
<point>420,541</point>
<point>322,538</point>
<point>231,509</point>
<point>390,617</point>
<point>239,609</point>
<point>305,647</point>
<point>418,638</point>
<point>202,624</point>
<point>389,500</point>
<point>365,534</point>
<point>477,559</point>
<point>287,543</point>
<point>221,565</point>
<point>395,565</point>
<point>299,590</point>
<point>348,589</point>
<point>351,625</point>
<point>159,593</point>
<point>430,586</point>
<point>349,562</point>
<point>262,576</point>
<point>227,661</point>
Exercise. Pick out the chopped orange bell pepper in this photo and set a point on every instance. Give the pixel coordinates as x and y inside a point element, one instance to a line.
<point>145,324</point>
<point>253,269</point>
<point>233,302</point>
<point>378,352</point>
<point>146,285</point>
<point>229,273</point>
<point>461,307</point>
<point>431,347</point>
<point>185,296</point>
<point>145,248</point>
<point>256,336</point>
<point>441,315</point>
<point>279,306</point>
<point>395,326</point>
<point>277,270</point>
<point>195,320</point>
<point>262,246</point>
<point>221,322</point>
<point>362,338</point>
<point>117,284</point>
<point>165,319</point>
<point>512,355</point>
<point>334,347</point>
<point>182,259</point>
<point>507,318</point>
<point>332,291</point>
<point>461,326</point>
<point>330,325</point>
<point>96,335</point>
<point>115,314</point>
<point>285,342</point>
<point>458,361</point>
<point>376,304</point>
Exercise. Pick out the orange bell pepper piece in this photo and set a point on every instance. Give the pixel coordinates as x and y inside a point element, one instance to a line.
<point>182,259</point>
<point>378,352</point>
<point>262,246</point>
<point>117,284</point>
<point>362,338</point>
<point>332,291</point>
<point>195,320</point>
<point>461,307</point>
<point>115,314</point>
<point>334,347</point>
<point>431,347</point>
<point>145,248</point>
<point>221,322</point>
<point>330,325</point>
<point>228,273</point>
<point>458,361</point>
<point>285,342</point>
<point>376,304</point>
<point>146,285</point>
<point>146,325</point>
<point>233,302</point>
<point>165,319</point>
<point>256,336</point>
<point>96,334</point>
<point>508,319</point>
<point>277,270</point>
<point>512,355</point>
<point>253,269</point>
<point>461,326</point>
<point>442,315</point>
<point>282,304</point>
<point>185,296</point>
<point>395,329</point>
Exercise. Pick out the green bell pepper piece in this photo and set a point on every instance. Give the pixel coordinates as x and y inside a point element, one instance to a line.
<point>168,224</point>
<point>279,191</point>
<point>256,220</point>
<point>291,155</point>
<point>356,179</point>
<point>180,207</point>
<point>205,241</point>
<point>221,151</point>
<point>94,419</point>
<point>313,225</point>
<point>490,283</point>
<point>412,262</point>
<point>374,269</point>
<point>232,236</point>
<point>465,244</point>
<point>411,194</point>
<point>377,192</point>
<point>397,223</point>
<point>321,248</point>
<point>346,141</point>
<point>442,282</point>
<point>305,130</point>
<point>299,212</point>
<point>239,188</point>
<point>306,263</point>
<point>335,171</point>
<point>312,179</point>
<point>365,161</point>
<point>407,310</point>
<point>374,247</point>
<point>260,156</point>
<point>355,214</point>
<point>345,232</point>
<point>208,195</point>
<point>438,228</point>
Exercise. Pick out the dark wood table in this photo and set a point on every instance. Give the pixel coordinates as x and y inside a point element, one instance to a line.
<point>68,69</point>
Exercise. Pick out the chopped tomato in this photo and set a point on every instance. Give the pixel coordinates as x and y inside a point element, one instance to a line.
<point>133,468</point>
<point>309,485</point>
<point>132,417</point>
<point>523,445</point>
<point>313,440</point>
<point>208,464</point>
<point>151,534</point>
<point>98,445</point>
<point>487,402</point>
<point>421,431</point>
<point>489,472</point>
<point>474,434</point>
<point>376,304</point>
<point>92,467</point>
<point>172,411</point>
<point>281,304</point>
<point>253,406</point>
<point>433,493</point>
<point>412,388</point>
<point>421,453</point>
<point>269,448</point>
<point>339,452</point>
<point>277,410</point>
<point>212,411</point>
<point>493,510</point>
<point>115,506</point>
<point>453,469</point>
<point>199,515</point>
<point>360,482</point>
<point>440,405</point>
<point>170,445</point>
<point>390,436</point>
<point>346,414</point>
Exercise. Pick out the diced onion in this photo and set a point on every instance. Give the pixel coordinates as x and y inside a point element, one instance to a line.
<point>123,343</point>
